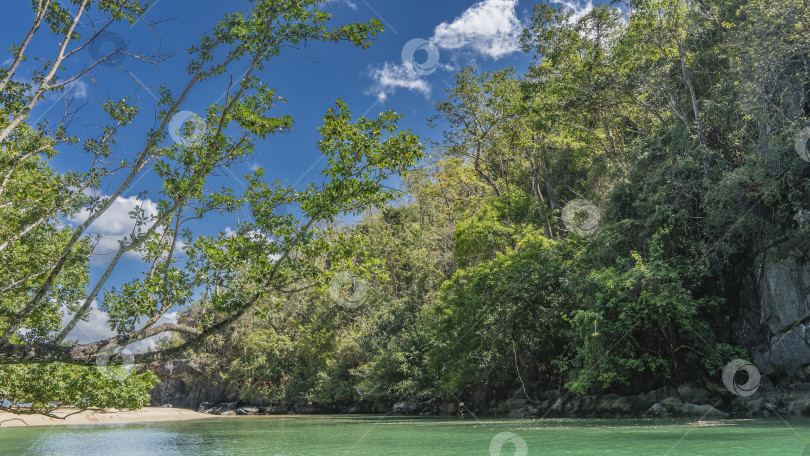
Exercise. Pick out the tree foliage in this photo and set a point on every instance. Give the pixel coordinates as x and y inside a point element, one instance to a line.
<point>46,213</point>
<point>668,126</point>
<point>676,121</point>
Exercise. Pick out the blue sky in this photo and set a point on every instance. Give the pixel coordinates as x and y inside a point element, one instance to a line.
<point>449,34</point>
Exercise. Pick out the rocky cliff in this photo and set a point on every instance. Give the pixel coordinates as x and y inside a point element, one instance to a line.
<point>775,314</point>
<point>186,384</point>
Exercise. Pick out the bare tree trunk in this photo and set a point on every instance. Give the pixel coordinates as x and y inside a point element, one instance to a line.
<point>687,79</point>
<point>477,165</point>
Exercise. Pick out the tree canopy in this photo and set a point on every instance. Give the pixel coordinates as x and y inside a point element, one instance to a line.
<point>44,255</point>
<point>590,224</point>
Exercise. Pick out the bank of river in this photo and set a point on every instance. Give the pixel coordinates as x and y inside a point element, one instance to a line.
<point>70,416</point>
<point>367,435</point>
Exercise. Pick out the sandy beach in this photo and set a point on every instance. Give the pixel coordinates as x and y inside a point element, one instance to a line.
<point>144,415</point>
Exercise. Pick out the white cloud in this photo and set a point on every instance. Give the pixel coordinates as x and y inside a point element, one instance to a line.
<point>115,223</point>
<point>392,77</point>
<point>351,4</point>
<point>76,90</point>
<point>490,28</point>
<point>116,219</point>
<point>94,329</point>
<point>579,8</point>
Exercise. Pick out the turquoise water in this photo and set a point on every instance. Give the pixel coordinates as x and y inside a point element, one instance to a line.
<point>310,436</point>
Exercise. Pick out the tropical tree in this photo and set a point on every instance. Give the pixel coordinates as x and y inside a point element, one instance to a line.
<point>44,257</point>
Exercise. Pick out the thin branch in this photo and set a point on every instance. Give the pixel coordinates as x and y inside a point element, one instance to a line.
<point>18,57</point>
<point>19,118</point>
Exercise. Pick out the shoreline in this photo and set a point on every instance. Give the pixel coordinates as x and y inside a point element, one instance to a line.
<point>144,415</point>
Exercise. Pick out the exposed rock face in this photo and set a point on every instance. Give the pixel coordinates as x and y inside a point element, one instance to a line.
<point>184,384</point>
<point>657,410</point>
<point>781,342</point>
<point>769,400</point>
<point>247,410</point>
<point>784,288</point>
<point>426,407</point>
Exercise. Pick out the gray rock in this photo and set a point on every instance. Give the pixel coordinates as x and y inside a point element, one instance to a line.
<point>644,401</point>
<point>184,383</point>
<point>276,410</point>
<point>658,410</point>
<point>672,403</point>
<point>784,288</point>
<point>799,407</point>
<point>789,353</point>
<point>558,404</point>
<point>516,401</point>
<point>404,407</point>
<point>221,409</point>
<point>247,410</point>
<point>693,394</point>
<point>774,312</point>
<point>621,405</point>
<point>178,368</point>
<point>750,406</point>
<point>205,407</point>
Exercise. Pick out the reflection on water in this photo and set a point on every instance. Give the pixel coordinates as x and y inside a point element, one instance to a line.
<point>110,440</point>
<point>327,436</point>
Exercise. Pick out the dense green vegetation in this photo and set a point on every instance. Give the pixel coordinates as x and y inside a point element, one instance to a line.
<point>586,225</point>
<point>45,213</point>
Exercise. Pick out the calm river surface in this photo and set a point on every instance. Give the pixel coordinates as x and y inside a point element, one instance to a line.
<point>338,435</point>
